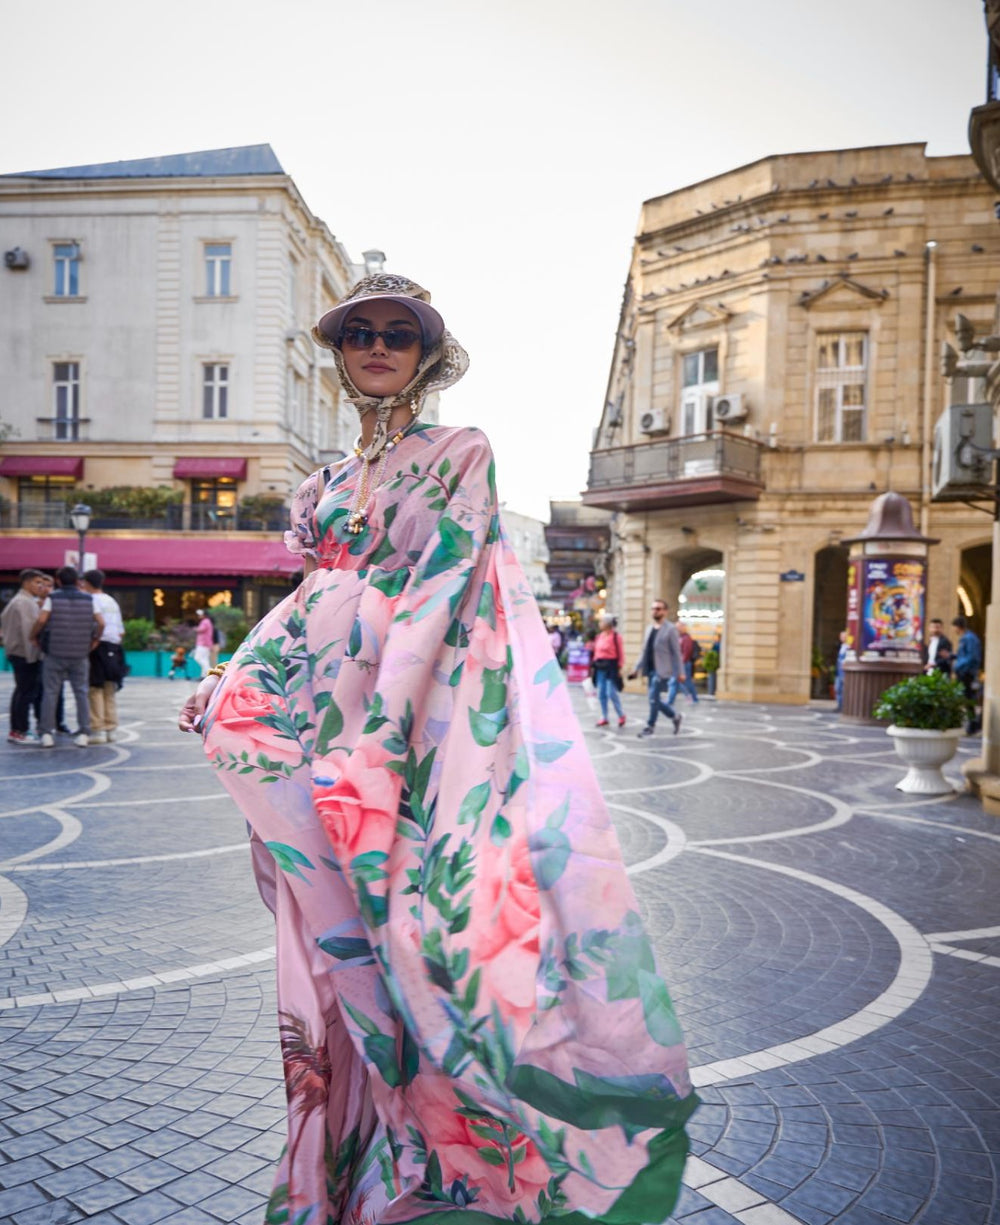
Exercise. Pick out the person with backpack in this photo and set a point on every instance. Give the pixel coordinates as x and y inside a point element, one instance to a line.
<point>609,659</point>
<point>69,627</point>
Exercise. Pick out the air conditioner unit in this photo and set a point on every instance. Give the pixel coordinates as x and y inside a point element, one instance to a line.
<point>16,258</point>
<point>960,472</point>
<point>654,421</point>
<point>729,408</point>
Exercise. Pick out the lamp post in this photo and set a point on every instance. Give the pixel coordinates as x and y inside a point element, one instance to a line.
<point>79,516</point>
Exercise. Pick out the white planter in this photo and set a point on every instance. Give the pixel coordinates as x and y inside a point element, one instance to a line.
<point>925,752</point>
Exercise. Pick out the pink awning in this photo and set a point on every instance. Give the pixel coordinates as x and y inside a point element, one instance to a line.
<point>41,465</point>
<point>205,467</point>
<point>151,556</point>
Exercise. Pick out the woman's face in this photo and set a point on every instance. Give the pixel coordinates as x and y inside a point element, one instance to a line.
<point>375,369</point>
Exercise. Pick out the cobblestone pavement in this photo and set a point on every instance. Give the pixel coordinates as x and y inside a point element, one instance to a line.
<point>832,946</point>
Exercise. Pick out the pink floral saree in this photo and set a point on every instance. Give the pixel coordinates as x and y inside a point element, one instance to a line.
<point>472,1024</point>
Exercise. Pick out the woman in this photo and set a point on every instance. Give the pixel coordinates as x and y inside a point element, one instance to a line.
<point>471,1020</point>
<point>609,660</point>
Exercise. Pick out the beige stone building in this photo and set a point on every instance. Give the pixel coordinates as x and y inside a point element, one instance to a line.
<point>154,332</point>
<point>776,367</point>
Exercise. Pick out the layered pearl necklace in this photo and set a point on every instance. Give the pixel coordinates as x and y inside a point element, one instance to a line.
<point>357,517</point>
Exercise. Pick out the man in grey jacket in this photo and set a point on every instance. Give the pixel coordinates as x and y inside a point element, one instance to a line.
<point>660,660</point>
<point>17,624</point>
<point>74,629</point>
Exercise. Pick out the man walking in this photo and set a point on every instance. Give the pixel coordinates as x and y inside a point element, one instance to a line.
<point>660,660</point>
<point>74,629</point>
<point>17,623</point>
<point>107,661</point>
<point>968,663</point>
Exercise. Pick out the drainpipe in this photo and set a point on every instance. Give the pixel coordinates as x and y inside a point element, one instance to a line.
<point>930,251</point>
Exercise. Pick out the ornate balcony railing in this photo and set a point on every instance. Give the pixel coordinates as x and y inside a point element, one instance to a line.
<point>195,518</point>
<point>693,471</point>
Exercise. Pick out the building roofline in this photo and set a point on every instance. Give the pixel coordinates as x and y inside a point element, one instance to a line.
<point>234,161</point>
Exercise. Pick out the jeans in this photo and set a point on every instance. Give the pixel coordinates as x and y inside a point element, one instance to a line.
<point>606,688</point>
<point>687,684</point>
<point>656,701</point>
<point>55,670</point>
<point>27,691</point>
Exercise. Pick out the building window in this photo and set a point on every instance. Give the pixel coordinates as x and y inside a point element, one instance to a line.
<point>296,402</point>
<point>841,380</point>
<point>218,269</point>
<point>67,270</point>
<point>213,503</point>
<point>42,501</point>
<point>700,382</point>
<point>66,401</point>
<point>215,391</point>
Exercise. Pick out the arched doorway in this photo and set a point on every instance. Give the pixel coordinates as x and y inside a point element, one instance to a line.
<point>694,583</point>
<point>829,614</point>
<point>975,582</point>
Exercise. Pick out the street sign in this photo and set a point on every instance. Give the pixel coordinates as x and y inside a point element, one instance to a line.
<point>72,558</point>
<point>793,576</point>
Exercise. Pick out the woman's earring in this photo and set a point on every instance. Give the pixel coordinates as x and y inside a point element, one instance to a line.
<point>413,408</point>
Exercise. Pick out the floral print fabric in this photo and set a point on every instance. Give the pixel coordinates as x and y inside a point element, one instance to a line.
<point>472,1023</point>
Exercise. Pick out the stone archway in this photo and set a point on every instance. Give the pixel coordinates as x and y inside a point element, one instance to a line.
<point>829,615</point>
<point>974,585</point>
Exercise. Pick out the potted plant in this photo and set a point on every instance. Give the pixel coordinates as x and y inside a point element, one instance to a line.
<point>926,714</point>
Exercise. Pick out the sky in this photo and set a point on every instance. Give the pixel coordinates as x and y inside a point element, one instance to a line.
<point>498,151</point>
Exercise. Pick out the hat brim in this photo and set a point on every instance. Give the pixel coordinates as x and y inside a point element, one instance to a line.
<point>431,323</point>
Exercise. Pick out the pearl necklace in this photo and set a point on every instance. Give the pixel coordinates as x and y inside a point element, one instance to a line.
<point>357,518</point>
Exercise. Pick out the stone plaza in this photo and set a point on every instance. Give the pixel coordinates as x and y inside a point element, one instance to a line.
<point>832,946</point>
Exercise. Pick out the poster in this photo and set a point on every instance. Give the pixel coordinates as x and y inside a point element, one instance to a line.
<point>892,608</point>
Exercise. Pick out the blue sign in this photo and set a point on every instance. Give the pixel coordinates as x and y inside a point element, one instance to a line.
<point>793,576</point>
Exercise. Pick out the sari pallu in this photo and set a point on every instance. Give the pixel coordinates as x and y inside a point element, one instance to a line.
<point>472,1022</point>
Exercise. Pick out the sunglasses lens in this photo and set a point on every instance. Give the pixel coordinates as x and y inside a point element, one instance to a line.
<point>400,340</point>
<point>357,338</point>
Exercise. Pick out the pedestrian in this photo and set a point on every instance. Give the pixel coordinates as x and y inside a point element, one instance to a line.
<point>107,661</point>
<point>967,664</point>
<point>609,660</point>
<point>17,622</point>
<point>690,652</point>
<point>660,660</point>
<point>838,676</point>
<point>48,586</point>
<point>204,637</point>
<point>178,660</point>
<point>937,654</point>
<point>73,628</point>
<point>470,1016</point>
<point>555,640</point>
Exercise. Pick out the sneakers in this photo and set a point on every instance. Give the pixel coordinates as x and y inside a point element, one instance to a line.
<point>602,723</point>
<point>621,720</point>
<point>16,737</point>
<point>109,735</point>
<point>98,738</point>
<point>47,741</point>
<point>81,740</point>
<point>677,723</point>
<point>646,731</point>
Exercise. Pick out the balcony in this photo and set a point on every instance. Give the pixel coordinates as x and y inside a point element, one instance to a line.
<point>699,470</point>
<point>196,518</point>
<point>63,429</point>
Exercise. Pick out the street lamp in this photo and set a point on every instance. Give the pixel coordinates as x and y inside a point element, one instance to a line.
<point>79,516</point>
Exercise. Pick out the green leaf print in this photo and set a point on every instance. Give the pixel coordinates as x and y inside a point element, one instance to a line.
<point>455,544</point>
<point>330,728</point>
<point>487,727</point>
<point>355,640</point>
<point>487,606</point>
<point>549,674</point>
<point>363,1022</point>
<point>348,948</point>
<point>658,1010</point>
<point>473,804</point>
<point>494,690</point>
<point>521,771</point>
<point>500,830</point>
<point>390,582</point>
<point>290,860</point>
<point>550,853</point>
<point>381,1050</point>
<point>551,750</point>
<point>601,1101</point>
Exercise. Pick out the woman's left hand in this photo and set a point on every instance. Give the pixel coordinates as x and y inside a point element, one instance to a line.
<point>193,710</point>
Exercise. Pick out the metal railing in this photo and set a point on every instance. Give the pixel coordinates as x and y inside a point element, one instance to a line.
<point>676,459</point>
<point>63,429</point>
<point>197,518</point>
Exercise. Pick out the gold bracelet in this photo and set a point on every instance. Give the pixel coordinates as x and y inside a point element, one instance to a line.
<point>218,670</point>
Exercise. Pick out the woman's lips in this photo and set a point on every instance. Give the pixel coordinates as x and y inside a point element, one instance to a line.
<point>377,367</point>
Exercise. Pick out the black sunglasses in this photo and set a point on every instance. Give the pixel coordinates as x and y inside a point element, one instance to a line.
<point>396,339</point>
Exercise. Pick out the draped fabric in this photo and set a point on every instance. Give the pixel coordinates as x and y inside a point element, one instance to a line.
<point>471,1020</point>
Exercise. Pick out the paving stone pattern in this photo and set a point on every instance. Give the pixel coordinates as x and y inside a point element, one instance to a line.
<point>833,948</point>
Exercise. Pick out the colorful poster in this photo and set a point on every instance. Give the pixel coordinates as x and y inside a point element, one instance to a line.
<point>892,607</point>
<point>853,610</point>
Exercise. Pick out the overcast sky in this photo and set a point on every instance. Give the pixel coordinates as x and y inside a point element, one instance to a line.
<point>498,151</point>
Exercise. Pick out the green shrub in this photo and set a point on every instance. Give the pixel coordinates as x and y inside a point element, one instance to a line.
<point>933,703</point>
<point>232,623</point>
<point>137,632</point>
<point>710,660</point>
<point>128,501</point>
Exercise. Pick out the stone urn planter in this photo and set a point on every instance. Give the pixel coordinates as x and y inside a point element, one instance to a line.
<point>925,752</point>
<point>926,715</point>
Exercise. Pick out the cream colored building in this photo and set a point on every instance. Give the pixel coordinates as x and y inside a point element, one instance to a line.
<point>527,538</point>
<point>154,332</point>
<point>775,368</point>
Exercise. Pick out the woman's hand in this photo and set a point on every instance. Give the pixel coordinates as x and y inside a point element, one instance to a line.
<point>193,710</point>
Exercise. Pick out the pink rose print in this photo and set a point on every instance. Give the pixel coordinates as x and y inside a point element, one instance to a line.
<point>505,927</point>
<point>359,808</point>
<point>236,725</point>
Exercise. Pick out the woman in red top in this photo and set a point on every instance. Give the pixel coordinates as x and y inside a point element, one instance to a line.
<point>609,659</point>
